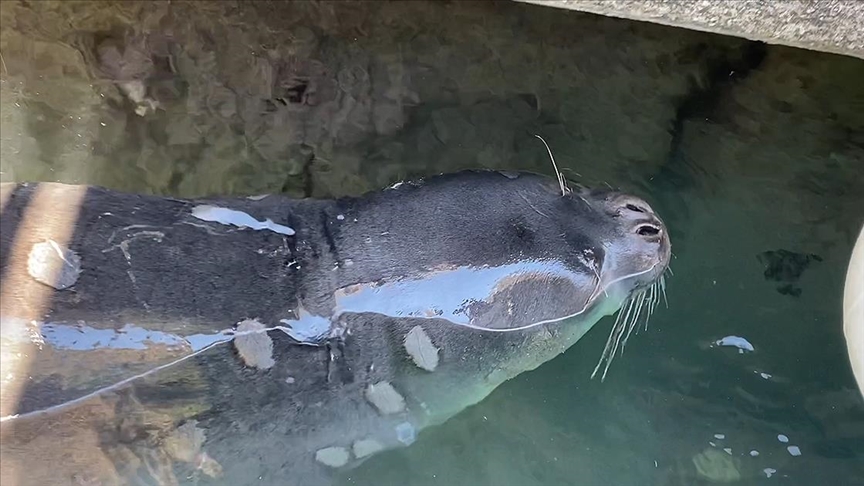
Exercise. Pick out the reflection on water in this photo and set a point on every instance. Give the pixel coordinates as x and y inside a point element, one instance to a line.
<point>752,154</point>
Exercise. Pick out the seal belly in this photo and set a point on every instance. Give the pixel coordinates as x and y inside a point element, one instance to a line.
<point>474,362</point>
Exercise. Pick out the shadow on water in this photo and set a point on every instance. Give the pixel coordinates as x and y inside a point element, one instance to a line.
<point>753,155</point>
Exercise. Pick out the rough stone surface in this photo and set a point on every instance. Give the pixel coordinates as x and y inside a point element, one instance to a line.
<point>835,26</point>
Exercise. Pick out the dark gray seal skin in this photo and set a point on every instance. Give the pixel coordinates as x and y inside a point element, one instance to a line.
<point>395,310</point>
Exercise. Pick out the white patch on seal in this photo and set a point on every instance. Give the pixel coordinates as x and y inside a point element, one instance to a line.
<point>333,456</point>
<point>385,398</point>
<point>254,345</point>
<point>366,447</point>
<point>420,348</point>
<point>53,265</point>
<point>240,219</point>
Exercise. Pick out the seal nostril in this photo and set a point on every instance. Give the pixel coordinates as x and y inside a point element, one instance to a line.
<point>647,230</point>
<point>634,208</point>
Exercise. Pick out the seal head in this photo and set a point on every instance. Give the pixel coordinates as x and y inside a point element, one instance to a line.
<point>536,256</point>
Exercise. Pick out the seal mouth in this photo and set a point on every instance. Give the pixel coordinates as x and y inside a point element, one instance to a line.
<point>647,251</point>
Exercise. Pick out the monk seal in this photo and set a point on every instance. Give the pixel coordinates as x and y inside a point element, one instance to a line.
<point>288,340</point>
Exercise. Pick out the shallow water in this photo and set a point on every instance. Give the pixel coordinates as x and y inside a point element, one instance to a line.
<point>752,154</point>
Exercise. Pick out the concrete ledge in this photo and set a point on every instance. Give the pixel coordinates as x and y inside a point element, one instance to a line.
<point>835,26</point>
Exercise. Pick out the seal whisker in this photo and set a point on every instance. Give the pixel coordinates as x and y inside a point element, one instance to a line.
<point>663,288</point>
<point>617,332</point>
<point>653,298</point>
<point>656,295</point>
<point>641,297</point>
<point>564,188</point>
<point>608,345</point>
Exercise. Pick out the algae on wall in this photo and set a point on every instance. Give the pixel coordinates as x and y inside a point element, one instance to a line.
<point>193,98</point>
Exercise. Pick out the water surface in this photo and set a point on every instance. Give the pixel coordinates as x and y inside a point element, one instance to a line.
<point>752,154</point>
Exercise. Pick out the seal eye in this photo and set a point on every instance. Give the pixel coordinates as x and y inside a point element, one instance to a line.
<point>647,230</point>
<point>635,209</point>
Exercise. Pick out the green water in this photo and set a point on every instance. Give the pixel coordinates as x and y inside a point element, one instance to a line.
<point>742,148</point>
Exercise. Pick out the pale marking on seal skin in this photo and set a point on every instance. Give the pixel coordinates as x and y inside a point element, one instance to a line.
<point>335,456</point>
<point>385,398</point>
<point>240,219</point>
<point>127,228</point>
<point>51,265</point>
<point>366,447</point>
<point>124,247</point>
<point>419,346</point>
<point>256,349</point>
